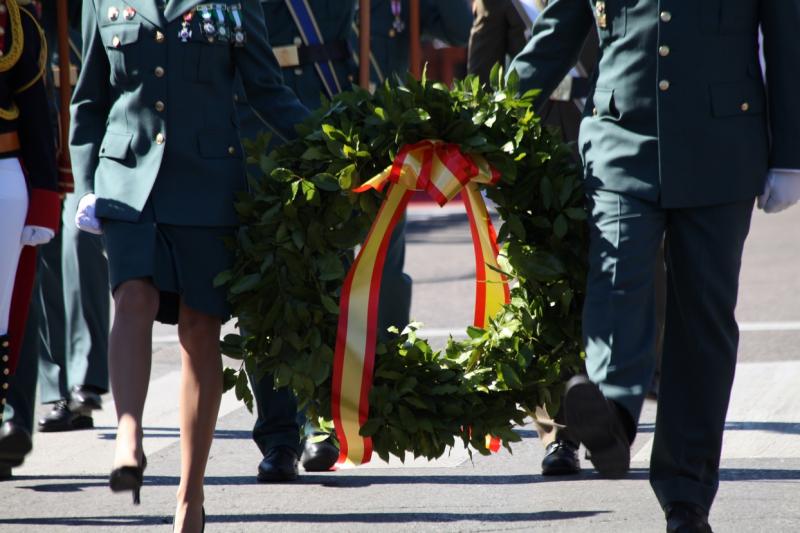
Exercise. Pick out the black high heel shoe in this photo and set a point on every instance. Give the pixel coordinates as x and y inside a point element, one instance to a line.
<point>128,478</point>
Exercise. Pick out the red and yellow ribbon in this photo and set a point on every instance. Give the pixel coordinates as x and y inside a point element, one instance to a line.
<point>442,171</point>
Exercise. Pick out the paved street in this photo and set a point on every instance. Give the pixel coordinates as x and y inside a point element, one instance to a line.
<point>62,486</point>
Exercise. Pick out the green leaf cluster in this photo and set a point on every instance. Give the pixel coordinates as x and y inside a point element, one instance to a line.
<point>299,225</point>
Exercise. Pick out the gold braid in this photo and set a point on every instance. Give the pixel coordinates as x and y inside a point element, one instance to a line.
<point>42,54</point>
<point>17,38</point>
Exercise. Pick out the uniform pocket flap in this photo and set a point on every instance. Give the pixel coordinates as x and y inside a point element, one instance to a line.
<point>218,143</point>
<point>737,98</point>
<point>116,145</point>
<point>117,35</point>
<point>604,104</point>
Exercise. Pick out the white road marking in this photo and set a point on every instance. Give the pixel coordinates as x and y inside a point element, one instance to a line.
<point>763,415</point>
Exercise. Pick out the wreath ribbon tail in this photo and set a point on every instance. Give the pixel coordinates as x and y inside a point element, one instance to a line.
<point>491,287</point>
<point>354,357</point>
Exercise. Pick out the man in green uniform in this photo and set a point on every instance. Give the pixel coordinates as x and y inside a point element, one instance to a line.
<point>678,138</point>
<point>310,41</point>
<point>317,62</point>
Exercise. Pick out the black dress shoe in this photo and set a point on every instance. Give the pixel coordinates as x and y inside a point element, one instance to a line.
<point>62,418</point>
<point>685,517</point>
<point>595,422</point>
<point>279,464</point>
<point>15,444</point>
<point>319,456</point>
<point>5,472</point>
<point>561,459</point>
<point>85,398</point>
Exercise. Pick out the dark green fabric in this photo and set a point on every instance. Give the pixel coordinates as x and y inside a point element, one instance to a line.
<point>446,20</point>
<point>693,143</point>
<point>335,21</point>
<point>194,174</point>
<point>704,250</point>
<point>182,262</point>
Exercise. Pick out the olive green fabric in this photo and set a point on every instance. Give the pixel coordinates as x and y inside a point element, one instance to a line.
<point>153,116</point>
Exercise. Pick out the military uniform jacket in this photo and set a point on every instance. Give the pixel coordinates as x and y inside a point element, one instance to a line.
<point>24,110</point>
<point>679,113</point>
<point>153,113</point>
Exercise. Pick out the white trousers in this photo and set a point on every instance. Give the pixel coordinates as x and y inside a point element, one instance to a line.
<point>13,210</point>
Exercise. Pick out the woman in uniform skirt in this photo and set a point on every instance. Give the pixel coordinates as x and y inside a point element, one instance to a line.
<point>155,149</point>
<point>29,204</point>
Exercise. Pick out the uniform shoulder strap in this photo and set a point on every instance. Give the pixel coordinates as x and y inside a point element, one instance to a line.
<point>309,31</point>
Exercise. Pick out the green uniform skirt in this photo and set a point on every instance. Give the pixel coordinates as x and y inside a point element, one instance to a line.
<point>181,261</point>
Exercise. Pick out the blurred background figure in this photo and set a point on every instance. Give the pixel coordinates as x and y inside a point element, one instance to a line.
<point>500,30</point>
<point>66,337</point>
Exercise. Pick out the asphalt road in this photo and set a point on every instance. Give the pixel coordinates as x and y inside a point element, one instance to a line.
<point>62,486</point>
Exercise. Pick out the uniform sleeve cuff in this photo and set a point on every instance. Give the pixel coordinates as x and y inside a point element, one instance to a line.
<point>44,209</point>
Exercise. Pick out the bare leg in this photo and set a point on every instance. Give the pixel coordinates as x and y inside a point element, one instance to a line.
<point>129,356</point>
<point>201,390</point>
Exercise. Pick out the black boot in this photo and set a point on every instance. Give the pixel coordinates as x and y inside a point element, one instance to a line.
<point>62,418</point>
<point>319,455</point>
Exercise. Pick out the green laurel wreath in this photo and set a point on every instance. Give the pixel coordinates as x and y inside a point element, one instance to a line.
<point>300,223</point>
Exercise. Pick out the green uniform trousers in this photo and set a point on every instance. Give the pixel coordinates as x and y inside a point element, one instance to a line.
<point>68,324</point>
<point>703,255</point>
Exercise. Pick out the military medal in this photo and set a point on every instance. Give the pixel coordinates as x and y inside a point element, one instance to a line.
<point>113,13</point>
<point>129,13</point>
<point>239,37</point>
<point>207,25</point>
<point>185,33</point>
<point>600,13</point>
<point>397,24</point>
<point>222,27</point>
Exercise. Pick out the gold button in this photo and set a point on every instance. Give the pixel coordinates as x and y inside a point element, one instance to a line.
<point>666,16</point>
<point>115,41</point>
<point>159,106</point>
<point>6,371</point>
<point>2,8</point>
<point>5,359</point>
<point>745,106</point>
<point>663,50</point>
<point>663,85</point>
<point>5,344</point>
<point>2,30</point>
<point>231,150</point>
<point>159,72</point>
<point>160,138</point>
<point>5,386</point>
<point>159,37</point>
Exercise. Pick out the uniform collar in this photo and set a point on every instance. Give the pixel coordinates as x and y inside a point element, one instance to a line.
<point>176,8</point>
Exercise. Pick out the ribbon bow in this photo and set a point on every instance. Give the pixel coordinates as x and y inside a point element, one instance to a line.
<point>442,171</point>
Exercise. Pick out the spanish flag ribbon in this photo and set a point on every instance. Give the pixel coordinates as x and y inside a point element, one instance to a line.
<point>442,171</point>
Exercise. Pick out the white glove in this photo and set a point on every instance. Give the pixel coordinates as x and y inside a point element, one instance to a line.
<point>781,191</point>
<point>36,235</point>
<point>84,216</point>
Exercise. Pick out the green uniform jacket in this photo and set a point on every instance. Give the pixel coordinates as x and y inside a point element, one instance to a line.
<point>153,114</point>
<point>448,20</point>
<point>680,114</point>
